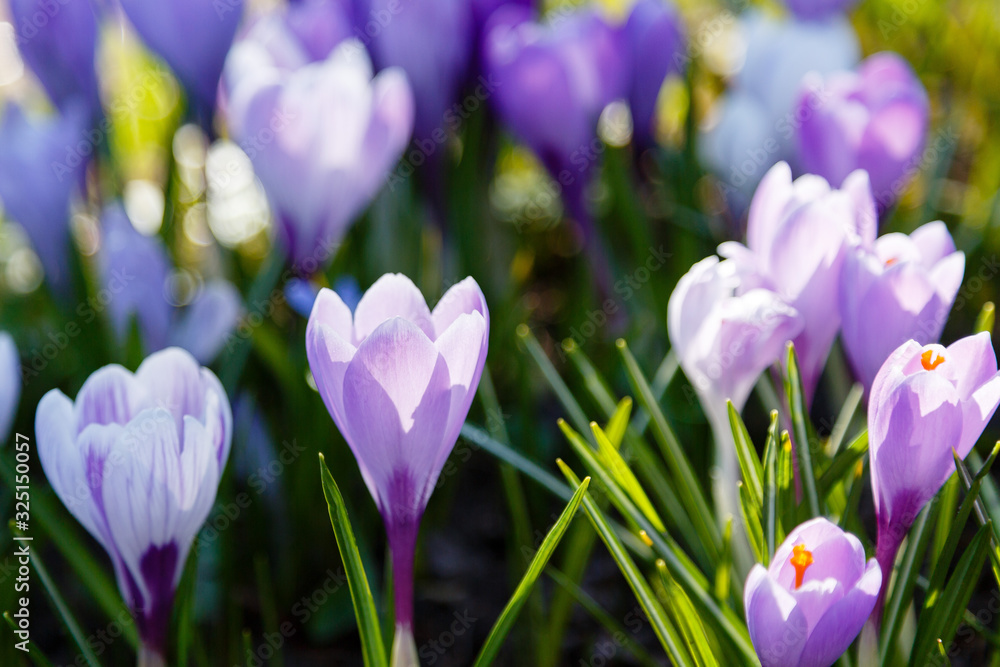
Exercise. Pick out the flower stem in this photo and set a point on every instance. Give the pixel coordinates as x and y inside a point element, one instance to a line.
<point>404,649</point>
<point>150,657</point>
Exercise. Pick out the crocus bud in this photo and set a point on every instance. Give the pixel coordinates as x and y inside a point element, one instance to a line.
<point>807,607</point>
<point>902,287</point>
<point>926,401</point>
<point>58,42</point>
<point>322,136</point>
<point>10,383</point>
<point>797,235</point>
<point>655,35</point>
<point>192,36</point>
<point>816,10</point>
<point>431,40</point>
<point>136,459</point>
<point>724,342</point>
<point>874,118</point>
<point>42,168</point>
<point>398,380</point>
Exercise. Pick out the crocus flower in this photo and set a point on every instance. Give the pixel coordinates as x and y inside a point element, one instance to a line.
<point>192,36</point>
<point>753,126</point>
<point>724,342</point>
<point>41,169</point>
<point>874,118</point>
<point>813,10</point>
<point>58,41</point>
<point>135,272</point>
<point>927,400</point>
<point>398,380</point>
<point>797,235</point>
<point>10,383</point>
<point>902,287</point>
<point>322,136</point>
<point>807,607</point>
<point>655,36</point>
<point>136,459</point>
<point>431,40</point>
<point>552,83</point>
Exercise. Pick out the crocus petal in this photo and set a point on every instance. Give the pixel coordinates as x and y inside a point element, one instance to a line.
<point>392,295</point>
<point>777,626</point>
<point>397,399</point>
<point>110,396</point>
<point>463,348</point>
<point>10,383</point>
<point>329,355</point>
<point>835,631</point>
<point>205,325</point>
<point>461,298</point>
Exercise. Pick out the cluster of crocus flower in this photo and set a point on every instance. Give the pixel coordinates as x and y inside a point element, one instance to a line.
<point>10,383</point>
<point>136,271</point>
<point>398,380</point>
<point>136,459</point>
<point>322,133</point>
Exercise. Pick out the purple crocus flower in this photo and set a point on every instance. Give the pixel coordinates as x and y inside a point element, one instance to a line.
<point>58,41</point>
<point>322,136</point>
<point>655,35</point>
<point>806,608</point>
<point>192,36</point>
<point>724,342</point>
<point>874,118</point>
<point>42,168</point>
<point>431,40</point>
<point>136,459</point>
<point>398,380</point>
<point>902,287</point>
<point>10,383</point>
<point>552,83</point>
<point>754,124</point>
<point>797,235</point>
<point>135,272</point>
<point>814,10</point>
<point>927,400</point>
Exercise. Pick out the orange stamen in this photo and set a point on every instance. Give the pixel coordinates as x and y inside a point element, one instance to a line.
<point>891,261</point>
<point>801,559</point>
<point>929,361</point>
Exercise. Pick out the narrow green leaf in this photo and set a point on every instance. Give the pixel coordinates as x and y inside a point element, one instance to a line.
<point>985,508</point>
<point>843,463</point>
<point>686,482</point>
<point>750,466</point>
<point>613,461</point>
<point>372,647</point>
<point>618,423</point>
<point>844,418</point>
<point>543,477</point>
<point>986,316</point>
<point>942,621</point>
<point>950,545</point>
<point>948,499</point>
<point>901,592</point>
<point>770,509</point>
<point>752,523</point>
<point>665,631</point>
<point>565,396</point>
<point>786,485</point>
<point>686,617</point>
<point>611,624</point>
<point>803,442</point>
<point>507,617</point>
<point>36,653</point>
<point>723,576</point>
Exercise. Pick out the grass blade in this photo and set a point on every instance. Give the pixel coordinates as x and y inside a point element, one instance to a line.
<point>361,594</point>
<point>666,632</point>
<point>506,619</point>
<point>906,578</point>
<point>750,465</point>
<point>615,464</point>
<point>770,508</point>
<point>842,465</point>
<point>686,618</point>
<point>800,424</point>
<point>480,438</point>
<point>36,653</point>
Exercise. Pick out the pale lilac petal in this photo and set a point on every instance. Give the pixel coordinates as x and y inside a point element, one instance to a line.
<point>173,381</point>
<point>842,622</point>
<point>329,355</point>
<point>10,382</point>
<point>778,628</point>
<point>109,396</point>
<point>392,295</point>
<point>463,297</point>
<point>331,311</point>
<point>397,399</point>
<point>769,201</point>
<point>463,347</point>
<point>205,325</point>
